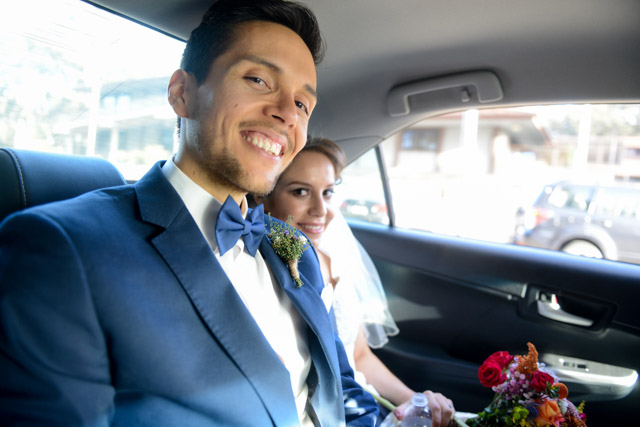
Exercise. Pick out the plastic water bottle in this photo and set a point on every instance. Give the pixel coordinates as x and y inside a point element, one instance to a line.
<point>418,414</point>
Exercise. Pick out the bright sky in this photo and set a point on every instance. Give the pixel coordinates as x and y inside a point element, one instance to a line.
<point>113,45</point>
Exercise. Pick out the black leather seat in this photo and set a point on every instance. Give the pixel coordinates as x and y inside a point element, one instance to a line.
<point>30,178</point>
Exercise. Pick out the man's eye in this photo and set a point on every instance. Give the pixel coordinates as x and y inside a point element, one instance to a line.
<point>256,80</point>
<point>302,107</point>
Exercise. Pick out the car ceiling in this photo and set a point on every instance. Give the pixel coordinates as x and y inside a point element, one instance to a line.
<point>541,51</point>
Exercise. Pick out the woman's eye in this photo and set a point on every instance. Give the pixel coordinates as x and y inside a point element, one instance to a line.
<point>302,106</point>
<point>300,191</point>
<point>329,193</point>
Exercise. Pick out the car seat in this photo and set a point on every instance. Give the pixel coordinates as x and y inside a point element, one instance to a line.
<point>30,178</point>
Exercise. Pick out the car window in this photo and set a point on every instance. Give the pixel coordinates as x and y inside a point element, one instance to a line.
<point>571,197</point>
<point>360,194</point>
<point>76,79</point>
<point>504,175</point>
<point>619,202</point>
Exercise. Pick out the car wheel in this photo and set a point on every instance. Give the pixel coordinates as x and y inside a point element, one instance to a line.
<point>584,248</point>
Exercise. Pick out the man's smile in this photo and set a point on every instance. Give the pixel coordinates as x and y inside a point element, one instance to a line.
<point>262,141</point>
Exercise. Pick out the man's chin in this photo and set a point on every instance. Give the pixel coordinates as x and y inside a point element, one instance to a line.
<point>262,189</point>
<point>260,183</point>
<point>230,173</point>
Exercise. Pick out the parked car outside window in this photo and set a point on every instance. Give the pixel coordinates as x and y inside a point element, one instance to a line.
<point>599,221</point>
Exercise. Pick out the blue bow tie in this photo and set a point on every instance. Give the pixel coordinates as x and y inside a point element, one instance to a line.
<point>230,226</point>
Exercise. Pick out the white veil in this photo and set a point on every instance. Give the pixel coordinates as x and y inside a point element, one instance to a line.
<point>350,261</point>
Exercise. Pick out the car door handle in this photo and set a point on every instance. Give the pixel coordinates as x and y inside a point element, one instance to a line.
<point>548,307</point>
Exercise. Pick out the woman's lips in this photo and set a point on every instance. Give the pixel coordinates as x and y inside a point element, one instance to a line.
<point>312,228</point>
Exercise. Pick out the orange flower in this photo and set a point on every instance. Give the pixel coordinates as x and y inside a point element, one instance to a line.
<point>549,414</point>
<point>528,364</point>
<point>563,391</point>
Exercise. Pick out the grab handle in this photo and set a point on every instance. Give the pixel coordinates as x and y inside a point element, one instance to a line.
<point>549,307</point>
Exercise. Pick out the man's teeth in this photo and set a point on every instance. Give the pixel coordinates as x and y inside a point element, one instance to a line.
<point>266,144</point>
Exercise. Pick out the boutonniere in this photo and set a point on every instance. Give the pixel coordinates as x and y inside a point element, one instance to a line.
<point>289,244</point>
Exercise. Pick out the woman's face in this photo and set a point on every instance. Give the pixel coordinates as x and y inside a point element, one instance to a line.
<point>304,191</point>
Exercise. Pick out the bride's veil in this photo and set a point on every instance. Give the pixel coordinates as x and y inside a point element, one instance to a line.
<point>357,269</point>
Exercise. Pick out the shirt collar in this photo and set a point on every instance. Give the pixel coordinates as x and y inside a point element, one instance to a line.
<point>202,206</point>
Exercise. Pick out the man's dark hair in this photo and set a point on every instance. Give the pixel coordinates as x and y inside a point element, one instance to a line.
<point>215,34</point>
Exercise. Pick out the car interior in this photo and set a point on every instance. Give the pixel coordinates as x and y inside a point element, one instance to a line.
<point>31,178</point>
<point>456,300</point>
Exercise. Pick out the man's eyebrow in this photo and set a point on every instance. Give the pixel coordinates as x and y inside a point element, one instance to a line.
<point>311,91</point>
<point>261,61</point>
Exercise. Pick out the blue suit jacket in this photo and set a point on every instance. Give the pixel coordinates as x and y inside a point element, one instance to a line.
<point>114,310</point>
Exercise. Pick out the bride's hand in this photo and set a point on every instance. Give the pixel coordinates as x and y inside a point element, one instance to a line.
<point>441,408</point>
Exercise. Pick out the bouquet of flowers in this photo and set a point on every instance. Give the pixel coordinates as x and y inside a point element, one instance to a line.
<point>528,394</point>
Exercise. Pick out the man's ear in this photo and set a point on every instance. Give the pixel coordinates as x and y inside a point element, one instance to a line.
<point>179,92</point>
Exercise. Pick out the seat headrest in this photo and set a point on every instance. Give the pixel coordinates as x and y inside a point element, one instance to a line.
<point>30,178</point>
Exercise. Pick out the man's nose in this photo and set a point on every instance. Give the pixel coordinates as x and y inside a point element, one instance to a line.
<point>284,110</point>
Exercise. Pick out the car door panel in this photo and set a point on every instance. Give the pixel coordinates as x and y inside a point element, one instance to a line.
<point>456,301</point>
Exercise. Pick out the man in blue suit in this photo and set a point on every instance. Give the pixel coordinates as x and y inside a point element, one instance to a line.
<point>161,303</point>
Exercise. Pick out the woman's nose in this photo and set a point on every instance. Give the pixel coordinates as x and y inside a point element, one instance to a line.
<point>318,206</point>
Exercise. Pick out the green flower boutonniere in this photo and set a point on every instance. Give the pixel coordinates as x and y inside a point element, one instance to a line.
<point>289,244</point>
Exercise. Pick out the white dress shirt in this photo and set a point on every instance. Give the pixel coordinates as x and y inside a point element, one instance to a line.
<point>272,310</point>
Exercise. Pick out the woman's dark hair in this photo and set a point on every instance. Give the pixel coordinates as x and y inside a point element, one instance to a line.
<point>215,34</point>
<point>330,149</point>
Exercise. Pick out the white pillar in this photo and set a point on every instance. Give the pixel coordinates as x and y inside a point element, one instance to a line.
<point>581,155</point>
<point>469,126</point>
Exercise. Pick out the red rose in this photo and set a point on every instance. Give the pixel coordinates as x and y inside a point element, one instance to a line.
<point>539,381</point>
<point>503,358</point>
<point>490,374</point>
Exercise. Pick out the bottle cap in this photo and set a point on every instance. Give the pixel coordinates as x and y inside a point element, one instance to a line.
<point>419,399</point>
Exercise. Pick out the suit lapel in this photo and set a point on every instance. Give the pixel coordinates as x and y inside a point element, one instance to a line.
<point>195,266</point>
<point>327,399</point>
<point>306,298</point>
